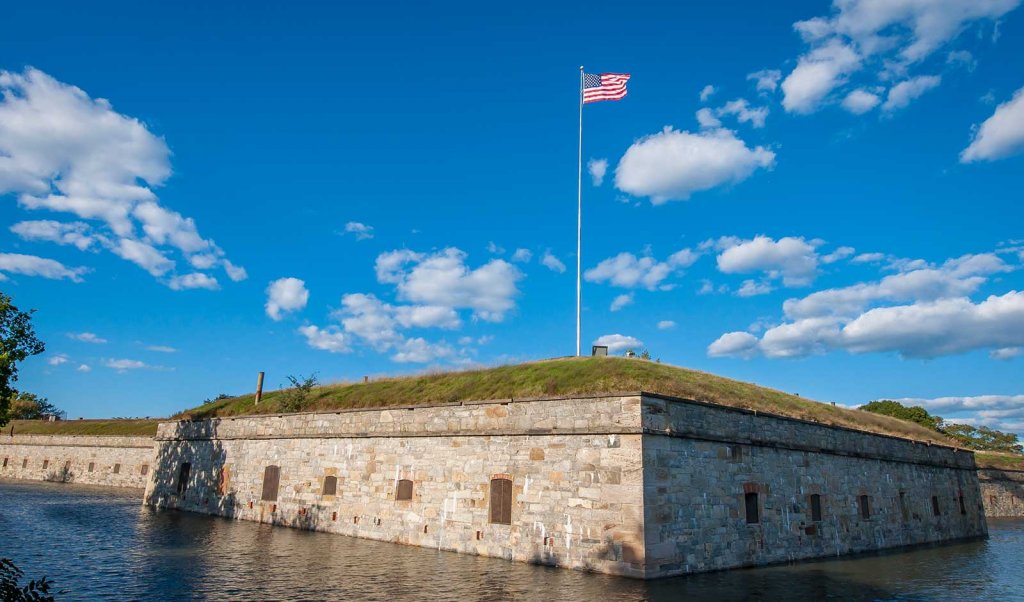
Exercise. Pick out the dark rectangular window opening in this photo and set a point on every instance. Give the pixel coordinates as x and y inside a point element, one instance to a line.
<point>330,485</point>
<point>67,465</point>
<point>404,490</point>
<point>271,483</point>
<point>92,466</point>
<point>183,474</point>
<point>46,464</point>
<point>501,501</point>
<point>935,506</point>
<point>815,507</point>
<point>753,509</point>
<point>5,462</point>
<point>963,508</point>
<point>117,469</point>
<point>865,507</point>
<point>144,470</point>
<point>903,506</point>
<point>24,463</point>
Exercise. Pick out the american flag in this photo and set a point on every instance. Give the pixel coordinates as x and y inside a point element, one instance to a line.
<point>607,86</point>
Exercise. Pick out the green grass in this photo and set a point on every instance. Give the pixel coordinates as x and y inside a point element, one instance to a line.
<point>999,460</point>
<point>564,377</point>
<point>124,427</point>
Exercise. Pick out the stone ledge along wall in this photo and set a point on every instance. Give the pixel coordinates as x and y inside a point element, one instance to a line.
<point>93,460</point>
<point>1002,492</point>
<point>728,488</point>
<point>575,495</point>
<point>634,484</point>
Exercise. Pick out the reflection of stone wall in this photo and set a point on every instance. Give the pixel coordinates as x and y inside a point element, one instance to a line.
<point>637,485</point>
<point>116,461</point>
<point>1002,491</point>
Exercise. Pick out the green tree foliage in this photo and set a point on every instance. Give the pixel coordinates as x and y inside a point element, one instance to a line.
<point>983,438</point>
<point>17,342</point>
<point>29,406</point>
<point>295,398</point>
<point>898,410</point>
<point>11,591</point>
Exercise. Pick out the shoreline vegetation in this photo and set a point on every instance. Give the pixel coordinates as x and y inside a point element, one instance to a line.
<point>539,379</point>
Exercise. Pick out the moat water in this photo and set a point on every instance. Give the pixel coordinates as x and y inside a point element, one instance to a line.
<point>100,544</point>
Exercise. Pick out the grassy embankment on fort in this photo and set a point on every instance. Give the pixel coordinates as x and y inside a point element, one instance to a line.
<point>548,378</point>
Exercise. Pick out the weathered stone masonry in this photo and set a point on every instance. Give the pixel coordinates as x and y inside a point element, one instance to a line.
<point>638,485</point>
<point>1002,491</point>
<point>107,461</point>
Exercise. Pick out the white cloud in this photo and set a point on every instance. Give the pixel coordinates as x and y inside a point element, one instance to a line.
<point>329,339</point>
<point>494,249</point>
<point>672,164</point>
<point>868,258</point>
<point>1001,412</point>
<point>792,259</point>
<point>962,58</point>
<point>84,368</point>
<point>999,136</point>
<point>706,118</point>
<point>860,101</point>
<point>161,349</point>
<point>62,151</point>
<point>552,263</point>
<point>522,256</point>
<point>886,38</point>
<point>743,112</point>
<point>707,92</point>
<point>767,80</point>
<point>444,279</point>
<point>838,255</point>
<point>86,337</point>
<point>1006,353</point>
<point>123,365</point>
<point>31,265</point>
<point>285,295</point>
<point>361,231</point>
<point>194,280</point>
<point>666,325</point>
<point>903,93</point>
<point>74,233</point>
<point>933,316</point>
<point>734,344</point>
<point>621,301</point>
<point>618,342</point>
<point>752,288</point>
<point>420,351</point>
<point>817,73</point>
<point>597,168</point>
<point>628,271</point>
<point>58,359</point>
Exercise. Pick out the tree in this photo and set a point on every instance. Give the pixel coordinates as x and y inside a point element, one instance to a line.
<point>896,409</point>
<point>10,589</point>
<point>29,406</point>
<point>983,438</point>
<point>296,397</point>
<point>17,343</point>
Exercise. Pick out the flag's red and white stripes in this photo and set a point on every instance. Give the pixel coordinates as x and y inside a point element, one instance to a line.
<point>607,86</point>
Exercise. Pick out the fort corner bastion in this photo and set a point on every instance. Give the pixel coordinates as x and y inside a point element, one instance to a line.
<point>637,484</point>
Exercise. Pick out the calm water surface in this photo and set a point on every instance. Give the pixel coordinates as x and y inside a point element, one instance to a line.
<point>100,544</point>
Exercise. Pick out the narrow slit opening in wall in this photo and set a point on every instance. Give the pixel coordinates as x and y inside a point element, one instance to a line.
<point>183,474</point>
<point>24,463</point>
<point>67,465</point>
<point>865,507</point>
<point>92,466</point>
<point>144,470</point>
<point>46,464</point>
<point>5,462</point>
<point>117,469</point>
<point>903,506</point>
<point>816,507</point>
<point>935,506</point>
<point>963,507</point>
<point>752,507</point>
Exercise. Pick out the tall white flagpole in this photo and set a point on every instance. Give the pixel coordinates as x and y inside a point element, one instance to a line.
<point>579,219</point>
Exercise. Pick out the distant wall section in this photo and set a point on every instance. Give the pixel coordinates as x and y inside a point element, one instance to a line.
<point>94,460</point>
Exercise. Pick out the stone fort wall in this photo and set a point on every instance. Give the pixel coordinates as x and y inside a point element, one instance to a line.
<point>101,460</point>
<point>639,484</point>
<point>1002,492</point>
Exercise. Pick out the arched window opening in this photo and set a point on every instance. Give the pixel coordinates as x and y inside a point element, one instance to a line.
<point>404,490</point>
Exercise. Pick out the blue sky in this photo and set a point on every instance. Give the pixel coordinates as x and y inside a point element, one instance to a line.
<point>822,199</point>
